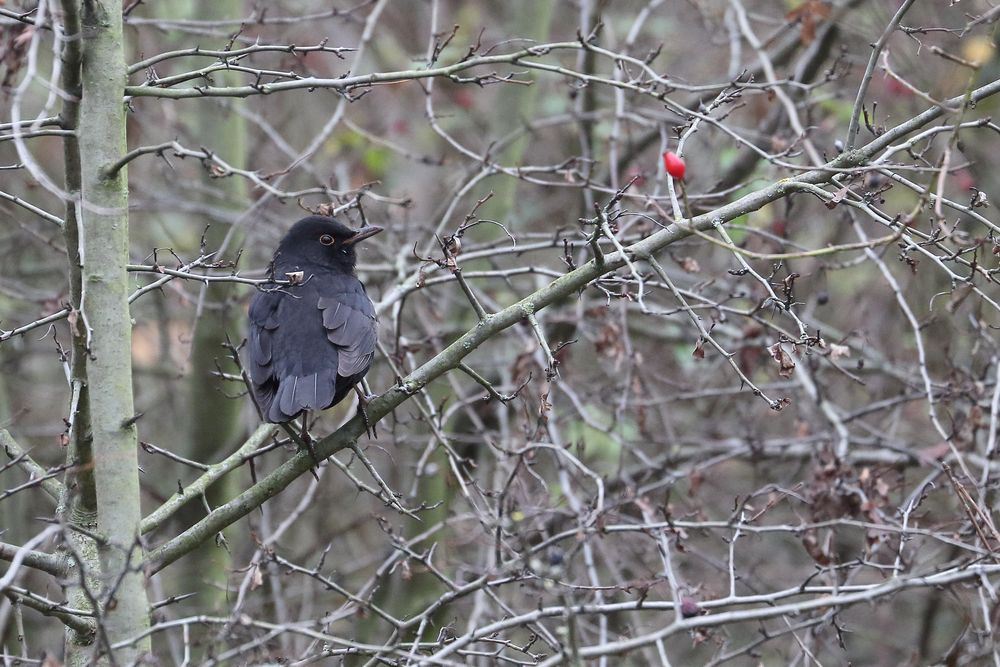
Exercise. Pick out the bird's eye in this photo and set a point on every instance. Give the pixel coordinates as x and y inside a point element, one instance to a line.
<point>326,239</point>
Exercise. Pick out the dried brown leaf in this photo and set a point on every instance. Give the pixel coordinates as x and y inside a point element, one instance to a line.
<point>837,197</point>
<point>812,546</point>
<point>837,351</point>
<point>256,578</point>
<point>690,264</point>
<point>809,14</point>
<point>785,362</point>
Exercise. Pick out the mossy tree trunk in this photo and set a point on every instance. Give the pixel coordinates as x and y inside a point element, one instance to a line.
<point>106,324</point>
<point>517,106</point>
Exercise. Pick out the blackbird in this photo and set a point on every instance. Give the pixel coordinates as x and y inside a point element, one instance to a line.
<point>312,341</point>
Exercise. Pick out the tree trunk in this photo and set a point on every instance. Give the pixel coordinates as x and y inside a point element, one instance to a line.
<point>78,506</point>
<point>106,320</point>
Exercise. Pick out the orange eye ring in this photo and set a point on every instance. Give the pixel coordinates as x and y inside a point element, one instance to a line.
<point>326,239</point>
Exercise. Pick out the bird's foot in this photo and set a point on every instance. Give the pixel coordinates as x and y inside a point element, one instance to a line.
<point>363,400</point>
<point>304,441</point>
<point>311,446</point>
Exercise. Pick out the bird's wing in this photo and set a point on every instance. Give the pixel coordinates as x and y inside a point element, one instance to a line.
<point>309,344</point>
<point>265,312</point>
<point>351,325</point>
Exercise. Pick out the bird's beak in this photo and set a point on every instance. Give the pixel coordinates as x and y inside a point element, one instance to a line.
<point>362,234</point>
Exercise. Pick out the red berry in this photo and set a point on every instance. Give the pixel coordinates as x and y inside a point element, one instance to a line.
<point>964,180</point>
<point>897,88</point>
<point>464,99</point>
<point>674,165</point>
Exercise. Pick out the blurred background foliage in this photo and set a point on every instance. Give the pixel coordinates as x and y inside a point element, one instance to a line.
<point>635,402</point>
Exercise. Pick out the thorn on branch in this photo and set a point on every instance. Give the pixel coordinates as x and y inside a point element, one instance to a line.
<point>130,422</point>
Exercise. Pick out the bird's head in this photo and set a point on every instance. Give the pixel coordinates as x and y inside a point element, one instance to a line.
<point>318,240</point>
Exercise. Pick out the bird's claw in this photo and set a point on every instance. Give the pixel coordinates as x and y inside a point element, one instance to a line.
<point>304,441</point>
<point>310,444</point>
<point>363,400</point>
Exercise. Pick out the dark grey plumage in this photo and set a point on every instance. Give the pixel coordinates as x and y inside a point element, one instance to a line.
<point>311,343</point>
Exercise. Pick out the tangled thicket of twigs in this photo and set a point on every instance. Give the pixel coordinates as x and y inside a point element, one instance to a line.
<point>745,418</point>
